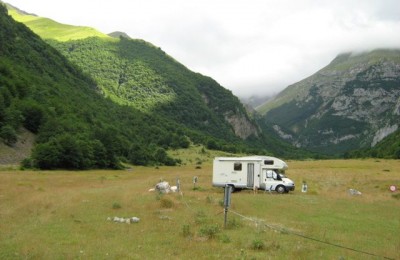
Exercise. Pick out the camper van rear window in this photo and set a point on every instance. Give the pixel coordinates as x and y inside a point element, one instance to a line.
<point>269,162</point>
<point>237,166</point>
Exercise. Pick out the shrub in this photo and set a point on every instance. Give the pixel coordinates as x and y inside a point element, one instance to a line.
<point>116,205</point>
<point>234,223</point>
<point>209,231</point>
<point>224,238</point>
<point>26,163</point>
<point>396,196</point>
<point>257,244</point>
<point>9,135</point>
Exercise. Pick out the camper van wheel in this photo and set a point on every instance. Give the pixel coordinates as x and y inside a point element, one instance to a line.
<point>280,189</point>
<point>233,188</point>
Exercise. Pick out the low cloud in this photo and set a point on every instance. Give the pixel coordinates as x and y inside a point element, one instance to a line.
<point>256,47</point>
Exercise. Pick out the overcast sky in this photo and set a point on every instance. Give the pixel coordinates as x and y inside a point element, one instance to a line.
<point>251,47</point>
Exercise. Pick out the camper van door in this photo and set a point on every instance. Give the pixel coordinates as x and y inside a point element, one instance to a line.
<point>272,179</point>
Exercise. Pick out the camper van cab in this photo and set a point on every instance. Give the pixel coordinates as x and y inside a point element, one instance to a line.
<point>252,172</point>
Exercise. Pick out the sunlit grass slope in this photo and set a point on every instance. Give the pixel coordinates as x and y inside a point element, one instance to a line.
<point>49,29</point>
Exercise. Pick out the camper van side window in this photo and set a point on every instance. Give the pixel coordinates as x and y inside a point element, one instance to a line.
<point>237,166</point>
<point>269,162</point>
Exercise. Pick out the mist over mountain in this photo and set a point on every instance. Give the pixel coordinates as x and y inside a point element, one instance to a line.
<point>111,100</point>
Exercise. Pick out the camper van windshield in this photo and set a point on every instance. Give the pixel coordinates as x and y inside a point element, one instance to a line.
<point>281,172</point>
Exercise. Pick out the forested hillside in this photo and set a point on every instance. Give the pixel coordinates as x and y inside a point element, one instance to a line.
<point>112,100</point>
<point>388,148</point>
<point>75,126</point>
<point>138,74</point>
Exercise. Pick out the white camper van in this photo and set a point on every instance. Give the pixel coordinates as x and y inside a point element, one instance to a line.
<point>260,172</point>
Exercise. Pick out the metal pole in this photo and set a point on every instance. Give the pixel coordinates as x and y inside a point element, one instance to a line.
<point>227,203</point>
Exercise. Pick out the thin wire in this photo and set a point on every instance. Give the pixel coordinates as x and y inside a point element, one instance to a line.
<point>311,238</point>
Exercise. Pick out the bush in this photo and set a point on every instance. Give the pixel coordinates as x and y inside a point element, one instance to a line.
<point>209,231</point>
<point>9,135</point>
<point>396,196</point>
<point>224,238</point>
<point>234,223</point>
<point>27,163</point>
<point>257,244</point>
<point>116,205</point>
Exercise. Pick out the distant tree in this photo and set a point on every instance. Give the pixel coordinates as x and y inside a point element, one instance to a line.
<point>13,117</point>
<point>212,145</point>
<point>33,115</point>
<point>9,135</point>
<point>46,155</point>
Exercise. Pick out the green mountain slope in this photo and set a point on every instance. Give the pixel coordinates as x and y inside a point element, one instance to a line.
<point>352,103</point>
<point>388,148</point>
<point>138,74</point>
<point>48,28</point>
<point>75,126</point>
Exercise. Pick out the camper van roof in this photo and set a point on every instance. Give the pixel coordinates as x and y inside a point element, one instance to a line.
<point>247,158</point>
<point>275,162</point>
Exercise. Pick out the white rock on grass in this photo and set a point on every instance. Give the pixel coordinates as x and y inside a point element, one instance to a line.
<point>134,220</point>
<point>124,220</point>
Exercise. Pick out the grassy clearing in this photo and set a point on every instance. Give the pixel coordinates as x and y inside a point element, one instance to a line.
<point>61,214</point>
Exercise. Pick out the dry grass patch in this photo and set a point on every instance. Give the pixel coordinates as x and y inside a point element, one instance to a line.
<point>67,211</point>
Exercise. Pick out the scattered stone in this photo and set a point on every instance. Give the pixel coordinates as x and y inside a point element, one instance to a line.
<point>134,219</point>
<point>165,218</point>
<point>354,192</point>
<point>163,187</point>
<point>124,220</point>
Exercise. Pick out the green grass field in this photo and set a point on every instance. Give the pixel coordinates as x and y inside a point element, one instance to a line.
<point>63,214</point>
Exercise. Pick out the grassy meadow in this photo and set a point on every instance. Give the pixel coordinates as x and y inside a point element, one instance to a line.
<point>63,214</point>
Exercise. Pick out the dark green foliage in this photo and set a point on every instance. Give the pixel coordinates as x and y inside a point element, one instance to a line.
<point>33,115</point>
<point>76,127</point>
<point>135,73</point>
<point>8,134</point>
<point>388,148</point>
<point>136,104</point>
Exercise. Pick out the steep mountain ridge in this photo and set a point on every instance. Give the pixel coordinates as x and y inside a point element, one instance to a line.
<point>351,103</point>
<point>74,126</point>
<point>136,73</point>
<point>48,28</point>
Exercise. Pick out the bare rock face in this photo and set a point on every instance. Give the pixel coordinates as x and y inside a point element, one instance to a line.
<point>352,103</point>
<point>383,132</point>
<point>241,125</point>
